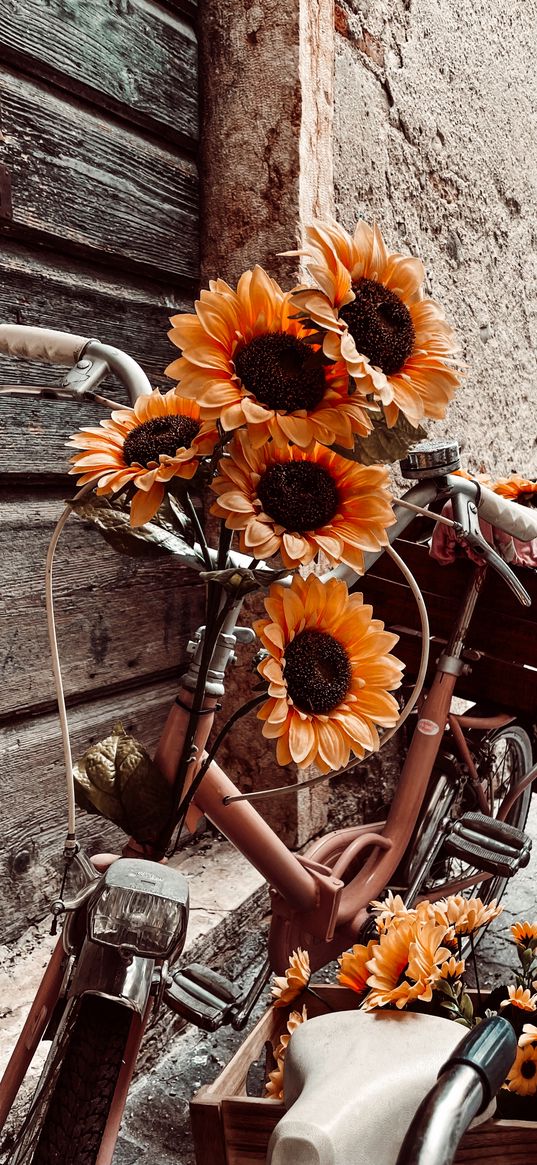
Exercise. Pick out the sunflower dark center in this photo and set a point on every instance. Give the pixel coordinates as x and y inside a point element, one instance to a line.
<point>281,372</point>
<point>160,435</point>
<point>380,325</point>
<point>528,1069</point>
<point>528,499</point>
<point>298,495</point>
<point>317,672</point>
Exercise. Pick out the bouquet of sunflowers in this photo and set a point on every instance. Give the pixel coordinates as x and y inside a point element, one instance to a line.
<point>417,961</point>
<point>287,406</point>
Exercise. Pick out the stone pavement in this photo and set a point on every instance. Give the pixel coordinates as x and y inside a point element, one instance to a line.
<point>156,1128</point>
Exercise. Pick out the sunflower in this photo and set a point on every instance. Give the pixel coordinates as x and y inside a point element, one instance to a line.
<point>395,343</point>
<point>145,446</point>
<point>525,934</point>
<point>518,997</point>
<point>353,971</point>
<point>522,1078</point>
<point>286,988</point>
<point>328,671</point>
<point>247,361</point>
<point>517,489</point>
<point>405,964</point>
<point>288,501</point>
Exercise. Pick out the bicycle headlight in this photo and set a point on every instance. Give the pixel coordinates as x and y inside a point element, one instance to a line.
<point>140,908</point>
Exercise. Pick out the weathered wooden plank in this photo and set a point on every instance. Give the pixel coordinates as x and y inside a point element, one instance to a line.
<point>118,619</point>
<point>131,58</point>
<point>94,186</point>
<point>53,292</point>
<point>33,799</point>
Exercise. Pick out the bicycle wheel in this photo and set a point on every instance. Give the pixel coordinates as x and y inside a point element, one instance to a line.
<point>502,757</point>
<point>67,1118</point>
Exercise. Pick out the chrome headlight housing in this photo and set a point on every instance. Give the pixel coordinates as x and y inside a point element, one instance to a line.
<point>140,908</point>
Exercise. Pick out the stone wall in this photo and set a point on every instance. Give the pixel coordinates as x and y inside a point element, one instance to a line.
<point>435,122</point>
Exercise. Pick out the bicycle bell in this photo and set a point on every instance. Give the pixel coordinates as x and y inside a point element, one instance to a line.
<point>431,459</point>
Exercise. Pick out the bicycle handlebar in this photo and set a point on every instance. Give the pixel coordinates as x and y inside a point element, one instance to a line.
<point>41,344</point>
<point>506,515</point>
<point>90,360</point>
<point>466,1084</point>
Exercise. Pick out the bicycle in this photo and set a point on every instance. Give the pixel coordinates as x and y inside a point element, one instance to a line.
<point>111,969</point>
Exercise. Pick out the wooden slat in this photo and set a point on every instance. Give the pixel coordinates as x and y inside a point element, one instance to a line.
<point>133,59</point>
<point>118,619</point>
<point>94,186</point>
<point>499,1143</point>
<point>44,289</point>
<point>33,800</point>
<point>505,686</point>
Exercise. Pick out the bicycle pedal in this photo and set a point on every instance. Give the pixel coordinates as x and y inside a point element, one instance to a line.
<point>488,844</point>
<point>201,996</point>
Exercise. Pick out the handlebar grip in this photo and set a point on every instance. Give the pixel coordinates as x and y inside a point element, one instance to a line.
<point>509,516</point>
<point>490,1049</point>
<point>41,344</point>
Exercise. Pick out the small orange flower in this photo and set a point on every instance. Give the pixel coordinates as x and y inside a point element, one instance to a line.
<point>452,969</point>
<point>287,987</point>
<point>525,934</point>
<point>295,503</point>
<point>274,1084</point>
<point>529,1035</point>
<point>145,446</point>
<point>521,998</point>
<point>296,1018</point>
<point>247,361</point>
<point>522,1078</point>
<point>328,671</point>
<point>517,489</point>
<point>390,910</point>
<point>353,972</point>
<point>465,915</point>
<point>370,303</point>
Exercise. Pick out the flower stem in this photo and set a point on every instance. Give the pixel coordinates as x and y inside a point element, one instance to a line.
<point>189,505</point>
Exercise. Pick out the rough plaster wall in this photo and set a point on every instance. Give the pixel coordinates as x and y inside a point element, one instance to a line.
<point>435,136</point>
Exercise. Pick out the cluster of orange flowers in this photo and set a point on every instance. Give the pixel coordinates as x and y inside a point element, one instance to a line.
<point>273,389</point>
<point>413,958</point>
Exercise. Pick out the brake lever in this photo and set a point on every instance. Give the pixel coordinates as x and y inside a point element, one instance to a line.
<point>468,530</point>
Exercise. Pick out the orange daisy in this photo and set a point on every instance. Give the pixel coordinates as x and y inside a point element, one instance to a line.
<point>518,997</point>
<point>390,911</point>
<point>452,968</point>
<point>529,1035</point>
<point>328,670</point>
<point>286,988</point>
<point>405,965</point>
<point>517,489</point>
<point>145,446</point>
<point>525,934</point>
<point>274,1084</point>
<point>292,502</point>
<point>465,915</point>
<point>395,342</point>
<point>522,1078</point>
<point>353,970</point>
<point>248,361</point>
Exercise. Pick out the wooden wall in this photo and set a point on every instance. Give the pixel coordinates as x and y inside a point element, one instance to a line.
<point>98,235</point>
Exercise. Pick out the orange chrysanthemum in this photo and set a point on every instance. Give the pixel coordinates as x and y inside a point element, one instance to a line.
<point>329,673</point>
<point>286,988</point>
<point>391,910</point>
<point>274,1084</point>
<point>465,915</point>
<point>145,446</point>
<point>405,965</point>
<point>521,998</point>
<point>522,1078</point>
<point>353,972</point>
<point>525,934</point>
<point>288,501</point>
<point>395,342</point>
<point>247,361</point>
<point>517,489</point>
<point>452,968</point>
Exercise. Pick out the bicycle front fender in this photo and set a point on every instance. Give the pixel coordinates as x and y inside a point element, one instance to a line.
<point>102,970</point>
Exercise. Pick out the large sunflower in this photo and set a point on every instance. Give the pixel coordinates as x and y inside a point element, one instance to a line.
<point>328,671</point>
<point>294,502</point>
<point>145,446</point>
<point>394,341</point>
<point>248,362</point>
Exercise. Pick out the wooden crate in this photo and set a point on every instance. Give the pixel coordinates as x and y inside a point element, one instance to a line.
<point>231,1128</point>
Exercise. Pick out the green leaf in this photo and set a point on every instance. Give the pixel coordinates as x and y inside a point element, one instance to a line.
<point>111,519</point>
<point>117,779</point>
<point>383,444</point>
